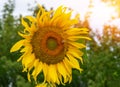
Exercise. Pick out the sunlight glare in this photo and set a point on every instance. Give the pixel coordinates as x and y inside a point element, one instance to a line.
<point>102,12</point>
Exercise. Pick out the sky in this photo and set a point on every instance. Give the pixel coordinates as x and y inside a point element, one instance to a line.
<point>21,6</point>
<point>101,12</point>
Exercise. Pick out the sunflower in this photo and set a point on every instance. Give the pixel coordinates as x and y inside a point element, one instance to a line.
<point>50,45</point>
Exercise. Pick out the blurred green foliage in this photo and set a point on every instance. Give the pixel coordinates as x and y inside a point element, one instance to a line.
<point>101,60</point>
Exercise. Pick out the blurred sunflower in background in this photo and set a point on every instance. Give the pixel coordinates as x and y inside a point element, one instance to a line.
<point>50,46</point>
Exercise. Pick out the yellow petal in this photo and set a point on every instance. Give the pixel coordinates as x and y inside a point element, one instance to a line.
<point>33,28</point>
<point>24,23</point>
<point>27,27</point>
<point>57,12</point>
<point>63,20</point>
<point>37,70</point>
<point>73,62</point>
<point>77,45</point>
<point>76,30</point>
<point>32,19</point>
<point>36,62</point>
<point>26,49</point>
<point>62,70</point>
<point>42,85</point>
<point>41,11</point>
<point>28,75</point>
<point>24,35</point>
<point>74,38</point>
<point>27,60</point>
<point>70,79</point>
<point>26,53</point>
<point>76,53</point>
<point>45,71</point>
<point>52,74</point>
<point>68,23</point>
<point>17,46</point>
<point>21,57</point>
<point>68,67</point>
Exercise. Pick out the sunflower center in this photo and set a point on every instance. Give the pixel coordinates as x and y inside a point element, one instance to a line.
<point>52,43</point>
<point>48,46</point>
